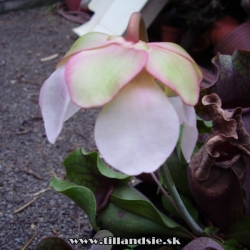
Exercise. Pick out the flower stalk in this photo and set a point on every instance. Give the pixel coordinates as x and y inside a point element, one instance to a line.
<point>164,191</point>
<point>196,229</point>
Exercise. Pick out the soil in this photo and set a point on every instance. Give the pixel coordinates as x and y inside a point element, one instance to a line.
<point>27,159</point>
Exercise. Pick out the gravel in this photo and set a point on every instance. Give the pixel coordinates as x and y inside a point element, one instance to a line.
<point>27,160</point>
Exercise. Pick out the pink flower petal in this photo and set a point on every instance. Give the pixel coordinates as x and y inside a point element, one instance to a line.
<point>190,133</point>
<point>187,117</point>
<point>94,77</point>
<point>173,47</point>
<point>55,103</point>
<point>178,106</point>
<point>176,72</point>
<point>88,41</point>
<point>138,130</point>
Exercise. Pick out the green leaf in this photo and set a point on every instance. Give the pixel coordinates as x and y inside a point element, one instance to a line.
<point>188,204</point>
<point>123,223</point>
<point>89,182</point>
<point>82,196</point>
<point>206,123</point>
<point>132,246</point>
<point>130,200</point>
<point>53,243</point>
<point>178,173</point>
<point>240,231</point>
<point>203,126</point>
<point>233,245</point>
<point>109,172</point>
<point>211,231</point>
<point>88,170</point>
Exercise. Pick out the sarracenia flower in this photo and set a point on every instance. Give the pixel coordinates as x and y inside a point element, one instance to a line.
<point>138,126</point>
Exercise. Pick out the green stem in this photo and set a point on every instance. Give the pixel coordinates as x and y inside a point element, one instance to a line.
<point>178,201</point>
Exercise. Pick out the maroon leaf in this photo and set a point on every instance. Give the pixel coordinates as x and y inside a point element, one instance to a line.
<point>247,186</point>
<point>233,85</point>
<point>217,172</point>
<point>232,82</point>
